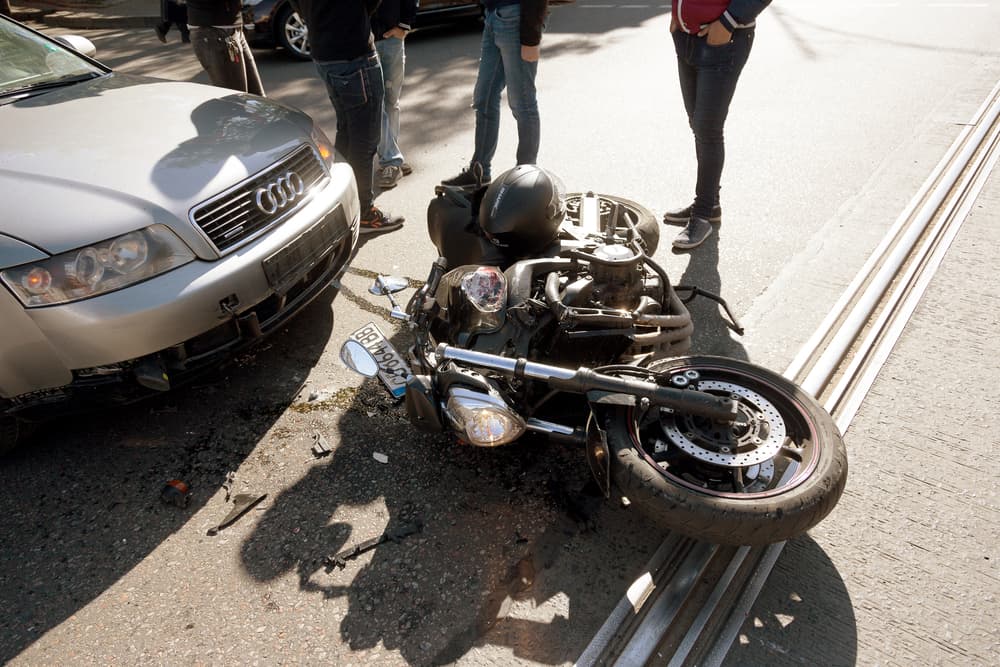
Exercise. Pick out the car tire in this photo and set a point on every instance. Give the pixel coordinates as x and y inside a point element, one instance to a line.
<point>291,34</point>
<point>12,432</point>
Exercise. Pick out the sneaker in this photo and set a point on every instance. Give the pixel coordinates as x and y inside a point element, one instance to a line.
<point>407,169</point>
<point>693,234</point>
<point>681,216</point>
<point>379,221</point>
<point>473,177</point>
<point>161,33</point>
<point>388,176</point>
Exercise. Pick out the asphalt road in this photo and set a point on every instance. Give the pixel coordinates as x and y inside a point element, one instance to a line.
<point>842,111</point>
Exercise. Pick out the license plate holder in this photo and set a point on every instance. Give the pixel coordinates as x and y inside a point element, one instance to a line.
<point>294,260</point>
<point>392,367</point>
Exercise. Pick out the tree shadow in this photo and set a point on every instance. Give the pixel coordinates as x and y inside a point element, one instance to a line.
<point>98,512</point>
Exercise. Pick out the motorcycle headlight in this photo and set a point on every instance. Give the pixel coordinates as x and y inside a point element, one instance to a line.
<point>484,420</point>
<point>99,268</point>
<point>485,288</point>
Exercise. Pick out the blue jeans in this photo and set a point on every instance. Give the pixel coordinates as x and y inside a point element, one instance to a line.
<point>708,76</point>
<point>356,90</point>
<point>500,65</point>
<point>392,54</point>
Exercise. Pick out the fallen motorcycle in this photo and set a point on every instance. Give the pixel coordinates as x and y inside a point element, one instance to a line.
<point>714,448</point>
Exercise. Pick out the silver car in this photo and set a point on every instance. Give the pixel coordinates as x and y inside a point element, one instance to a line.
<point>149,228</point>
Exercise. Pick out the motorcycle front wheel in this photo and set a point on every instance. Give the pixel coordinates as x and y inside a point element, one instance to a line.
<point>768,479</point>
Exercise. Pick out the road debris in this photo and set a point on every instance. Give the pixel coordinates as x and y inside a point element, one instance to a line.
<point>395,535</point>
<point>320,446</point>
<point>175,492</point>
<point>242,503</point>
<point>228,484</point>
<point>380,457</point>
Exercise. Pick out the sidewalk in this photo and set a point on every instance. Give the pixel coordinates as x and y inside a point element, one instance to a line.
<point>93,14</point>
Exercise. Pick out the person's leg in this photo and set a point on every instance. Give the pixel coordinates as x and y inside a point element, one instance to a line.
<point>490,83</point>
<point>356,90</point>
<point>520,74</point>
<point>221,54</point>
<point>718,71</point>
<point>392,54</point>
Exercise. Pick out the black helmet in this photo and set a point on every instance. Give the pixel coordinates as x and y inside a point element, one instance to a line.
<point>522,210</point>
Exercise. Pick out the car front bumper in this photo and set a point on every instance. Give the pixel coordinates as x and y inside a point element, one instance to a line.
<point>160,332</point>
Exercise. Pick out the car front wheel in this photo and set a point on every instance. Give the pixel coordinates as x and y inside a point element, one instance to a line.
<point>292,33</point>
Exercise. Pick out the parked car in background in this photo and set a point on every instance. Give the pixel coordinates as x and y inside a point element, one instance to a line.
<point>274,23</point>
<point>150,230</point>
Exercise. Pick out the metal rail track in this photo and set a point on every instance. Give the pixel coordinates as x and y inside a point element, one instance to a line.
<point>689,604</point>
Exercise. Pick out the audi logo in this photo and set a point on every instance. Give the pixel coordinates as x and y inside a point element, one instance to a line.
<point>278,194</point>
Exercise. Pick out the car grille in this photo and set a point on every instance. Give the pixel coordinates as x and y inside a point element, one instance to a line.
<point>236,215</point>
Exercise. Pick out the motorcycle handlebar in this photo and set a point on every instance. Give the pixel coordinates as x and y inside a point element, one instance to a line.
<point>583,380</point>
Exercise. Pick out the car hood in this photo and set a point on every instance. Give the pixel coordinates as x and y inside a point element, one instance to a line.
<point>107,156</point>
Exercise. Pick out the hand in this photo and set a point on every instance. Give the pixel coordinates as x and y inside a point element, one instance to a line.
<point>396,32</point>
<point>674,25</point>
<point>531,54</point>
<point>717,34</point>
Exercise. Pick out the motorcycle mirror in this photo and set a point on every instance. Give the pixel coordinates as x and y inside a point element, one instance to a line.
<point>385,285</point>
<point>358,359</point>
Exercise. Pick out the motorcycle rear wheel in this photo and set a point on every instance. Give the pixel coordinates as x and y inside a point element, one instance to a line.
<point>645,222</point>
<point>767,481</point>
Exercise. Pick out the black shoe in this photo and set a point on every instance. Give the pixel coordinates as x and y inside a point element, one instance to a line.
<point>186,37</point>
<point>473,177</point>
<point>161,33</point>
<point>681,216</point>
<point>693,234</point>
<point>376,221</point>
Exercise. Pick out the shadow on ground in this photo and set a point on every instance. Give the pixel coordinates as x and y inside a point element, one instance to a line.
<point>80,505</point>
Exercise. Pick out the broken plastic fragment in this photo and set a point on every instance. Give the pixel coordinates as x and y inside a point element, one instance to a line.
<point>242,502</point>
<point>380,457</point>
<point>176,492</point>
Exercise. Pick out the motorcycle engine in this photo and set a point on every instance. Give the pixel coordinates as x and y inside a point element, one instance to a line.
<point>617,275</point>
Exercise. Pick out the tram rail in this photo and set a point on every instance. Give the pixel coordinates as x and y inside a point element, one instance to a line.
<point>689,603</point>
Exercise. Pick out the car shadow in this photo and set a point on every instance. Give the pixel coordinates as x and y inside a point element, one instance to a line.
<point>80,506</point>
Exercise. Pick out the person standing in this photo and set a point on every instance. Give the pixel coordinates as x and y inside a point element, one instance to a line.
<point>509,54</point>
<point>173,12</point>
<point>392,21</point>
<point>220,45</point>
<point>343,48</point>
<point>712,39</point>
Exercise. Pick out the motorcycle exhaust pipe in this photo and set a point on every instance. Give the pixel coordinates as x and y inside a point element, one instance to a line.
<point>584,380</point>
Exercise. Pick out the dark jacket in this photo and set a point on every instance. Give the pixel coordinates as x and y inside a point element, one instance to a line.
<point>393,13</point>
<point>338,29</point>
<point>691,15</point>
<point>214,12</point>
<point>533,15</point>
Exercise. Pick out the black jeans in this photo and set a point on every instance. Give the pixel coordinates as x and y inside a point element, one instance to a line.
<point>708,76</point>
<point>357,91</point>
<point>226,56</point>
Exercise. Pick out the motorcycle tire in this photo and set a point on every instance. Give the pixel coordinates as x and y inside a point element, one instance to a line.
<point>645,222</point>
<point>764,482</point>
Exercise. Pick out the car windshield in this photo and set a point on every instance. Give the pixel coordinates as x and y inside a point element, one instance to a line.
<point>29,61</point>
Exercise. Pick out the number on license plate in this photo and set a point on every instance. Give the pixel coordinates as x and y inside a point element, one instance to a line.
<point>392,369</point>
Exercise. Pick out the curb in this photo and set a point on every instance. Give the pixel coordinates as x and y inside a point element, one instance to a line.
<point>70,14</point>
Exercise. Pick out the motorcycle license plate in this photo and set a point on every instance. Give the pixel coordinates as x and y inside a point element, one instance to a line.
<point>392,368</point>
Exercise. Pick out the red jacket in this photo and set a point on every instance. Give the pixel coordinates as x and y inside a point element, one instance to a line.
<point>693,15</point>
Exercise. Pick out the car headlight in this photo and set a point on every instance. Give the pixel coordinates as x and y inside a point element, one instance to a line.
<point>99,268</point>
<point>483,419</point>
<point>323,145</point>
